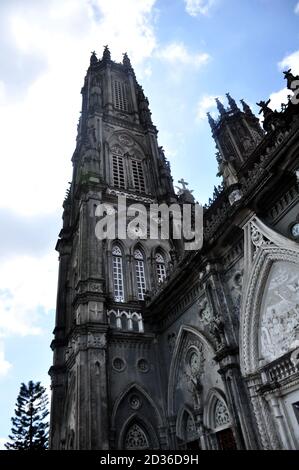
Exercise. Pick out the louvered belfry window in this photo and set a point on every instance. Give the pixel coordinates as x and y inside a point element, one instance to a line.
<point>120,95</point>
<point>138,176</point>
<point>118,171</point>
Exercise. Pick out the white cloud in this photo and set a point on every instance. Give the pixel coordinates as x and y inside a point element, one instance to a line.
<point>205,104</point>
<point>38,131</point>
<point>177,53</point>
<point>291,61</point>
<point>3,441</point>
<point>4,366</point>
<point>2,92</point>
<point>296,9</point>
<point>38,125</point>
<point>199,7</point>
<point>28,289</point>
<point>279,97</point>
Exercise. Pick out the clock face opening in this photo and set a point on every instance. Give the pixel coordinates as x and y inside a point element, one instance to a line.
<point>295,230</point>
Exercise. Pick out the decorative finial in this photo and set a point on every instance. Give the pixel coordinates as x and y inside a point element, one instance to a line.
<point>220,106</point>
<point>246,108</point>
<point>183,183</point>
<point>290,78</point>
<point>232,103</point>
<point>126,61</point>
<point>184,191</point>
<point>93,58</point>
<point>265,108</point>
<point>106,54</point>
<point>211,121</point>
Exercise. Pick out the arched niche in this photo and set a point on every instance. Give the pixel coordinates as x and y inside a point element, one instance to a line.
<point>218,421</point>
<point>186,430</point>
<point>135,406</point>
<point>192,353</point>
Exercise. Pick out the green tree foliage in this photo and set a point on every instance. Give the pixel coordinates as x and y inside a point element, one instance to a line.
<point>30,425</point>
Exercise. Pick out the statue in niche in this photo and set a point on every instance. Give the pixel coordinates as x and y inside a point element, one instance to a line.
<point>217,331</point>
<point>193,371</point>
<point>228,172</point>
<point>236,288</point>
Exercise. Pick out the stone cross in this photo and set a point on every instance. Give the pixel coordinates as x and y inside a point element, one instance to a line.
<point>183,183</point>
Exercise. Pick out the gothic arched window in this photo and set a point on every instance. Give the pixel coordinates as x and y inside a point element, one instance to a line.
<point>118,278</point>
<point>140,274</point>
<point>160,267</point>
<point>136,439</point>
<point>138,176</point>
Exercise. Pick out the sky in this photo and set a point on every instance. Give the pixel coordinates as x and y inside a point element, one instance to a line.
<point>184,52</point>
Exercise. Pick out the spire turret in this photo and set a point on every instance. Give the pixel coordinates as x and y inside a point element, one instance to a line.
<point>93,58</point>
<point>246,108</point>
<point>232,103</point>
<point>211,121</point>
<point>220,106</point>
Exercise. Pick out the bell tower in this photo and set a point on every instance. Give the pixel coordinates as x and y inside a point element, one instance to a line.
<point>236,133</point>
<point>103,284</point>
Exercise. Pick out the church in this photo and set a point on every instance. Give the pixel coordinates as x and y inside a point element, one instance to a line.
<point>158,347</point>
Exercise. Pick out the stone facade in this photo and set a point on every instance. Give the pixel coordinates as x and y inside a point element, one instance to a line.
<point>157,348</point>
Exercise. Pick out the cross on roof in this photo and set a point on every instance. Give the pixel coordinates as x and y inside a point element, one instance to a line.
<point>183,183</point>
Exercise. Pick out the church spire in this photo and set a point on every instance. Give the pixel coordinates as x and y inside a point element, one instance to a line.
<point>246,108</point>
<point>232,103</point>
<point>211,121</point>
<point>220,106</point>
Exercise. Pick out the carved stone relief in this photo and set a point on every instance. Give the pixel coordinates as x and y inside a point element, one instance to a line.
<point>205,313</point>
<point>221,414</point>
<point>136,438</point>
<point>279,311</point>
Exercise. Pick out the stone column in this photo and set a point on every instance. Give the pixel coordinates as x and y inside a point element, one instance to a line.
<point>243,427</point>
<point>92,421</point>
<point>281,424</point>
